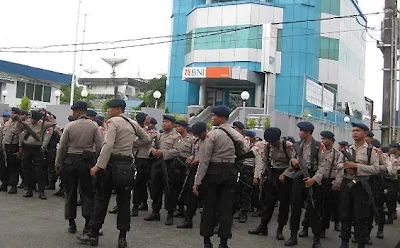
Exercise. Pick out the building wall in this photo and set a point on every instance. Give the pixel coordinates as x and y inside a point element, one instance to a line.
<point>109,90</point>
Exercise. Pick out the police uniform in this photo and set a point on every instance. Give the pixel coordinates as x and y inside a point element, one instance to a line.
<point>11,132</point>
<point>217,174</point>
<point>75,156</point>
<point>166,171</point>
<point>33,148</point>
<point>186,150</point>
<point>115,164</point>
<point>3,158</point>
<point>276,161</point>
<point>50,154</point>
<point>312,152</point>
<point>355,200</point>
<point>391,182</point>
<point>191,200</point>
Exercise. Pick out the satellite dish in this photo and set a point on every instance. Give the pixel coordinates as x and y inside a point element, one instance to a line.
<point>89,71</point>
<point>114,61</point>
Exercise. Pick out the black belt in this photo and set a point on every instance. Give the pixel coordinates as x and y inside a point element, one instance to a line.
<point>121,158</point>
<point>277,170</point>
<point>31,146</point>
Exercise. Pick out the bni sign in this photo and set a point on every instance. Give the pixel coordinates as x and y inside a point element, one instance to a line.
<point>194,72</point>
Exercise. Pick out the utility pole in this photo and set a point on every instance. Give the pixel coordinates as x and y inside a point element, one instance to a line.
<point>389,51</point>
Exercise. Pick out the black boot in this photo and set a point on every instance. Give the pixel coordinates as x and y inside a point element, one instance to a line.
<point>354,240</point>
<point>369,240</point>
<point>122,243</point>
<point>292,241</point>
<point>114,210</point>
<point>135,211</point>
<point>279,234</point>
<point>236,216</point>
<point>345,244</point>
<point>72,226</point>
<point>21,186</point>
<point>180,212</point>
<point>60,192</point>
<point>261,229</point>
<point>322,234</point>
<point>170,219</point>
<point>304,232</point>
<point>28,193</point>
<point>379,234</point>
<point>207,243</point>
<point>256,213</point>
<point>3,187</point>
<point>42,195</point>
<point>223,243</point>
<point>51,186</point>
<point>243,217</point>
<point>337,227</point>
<point>13,190</point>
<point>316,243</point>
<point>187,223</point>
<point>143,207</point>
<point>389,220</point>
<point>91,238</point>
<point>153,217</point>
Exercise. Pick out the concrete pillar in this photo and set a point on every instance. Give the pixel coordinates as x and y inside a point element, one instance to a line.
<point>203,95</point>
<point>257,96</point>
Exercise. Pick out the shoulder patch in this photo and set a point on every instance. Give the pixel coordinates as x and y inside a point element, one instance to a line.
<point>48,130</point>
<point>322,147</point>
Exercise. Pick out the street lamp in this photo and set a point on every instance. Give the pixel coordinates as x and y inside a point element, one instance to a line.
<point>245,96</point>
<point>346,119</point>
<point>57,94</point>
<point>156,95</point>
<point>4,93</point>
<point>84,94</point>
<point>35,104</point>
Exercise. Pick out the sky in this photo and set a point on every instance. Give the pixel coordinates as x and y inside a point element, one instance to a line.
<point>46,22</point>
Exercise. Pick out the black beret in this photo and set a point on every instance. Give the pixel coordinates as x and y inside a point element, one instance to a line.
<point>116,103</point>
<point>249,133</point>
<point>199,127</point>
<point>327,134</point>
<point>272,134</point>
<point>153,121</point>
<point>238,124</point>
<point>189,129</point>
<point>91,113</point>
<point>23,112</point>
<point>79,105</point>
<point>360,125</point>
<point>343,143</point>
<point>99,118</point>
<point>36,115</point>
<point>291,139</point>
<point>70,118</point>
<point>305,126</point>
<point>385,149</point>
<point>169,118</point>
<point>370,134</point>
<point>394,144</point>
<point>141,117</point>
<point>376,143</point>
<point>182,123</point>
<point>16,111</point>
<point>221,111</point>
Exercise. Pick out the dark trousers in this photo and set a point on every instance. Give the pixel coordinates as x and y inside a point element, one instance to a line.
<point>275,190</point>
<point>104,187</point>
<point>219,183</point>
<point>13,165</point>
<point>52,176</point>
<point>376,184</point>
<point>175,175</point>
<point>245,187</point>
<point>355,208</point>
<point>184,171</point>
<point>3,168</point>
<point>76,172</point>
<point>191,200</point>
<point>299,196</point>
<point>142,177</point>
<point>34,167</point>
<point>391,197</point>
<point>331,204</point>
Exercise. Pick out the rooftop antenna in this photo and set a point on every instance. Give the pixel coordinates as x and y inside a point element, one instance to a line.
<point>114,62</point>
<point>83,42</point>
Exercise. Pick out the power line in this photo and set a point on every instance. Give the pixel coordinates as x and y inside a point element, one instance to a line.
<point>180,35</point>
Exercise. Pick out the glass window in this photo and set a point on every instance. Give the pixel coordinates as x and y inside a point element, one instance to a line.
<point>30,88</point>
<point>213,38</point>
<point>330,7</point>
<point>46,93</point>
<point>38,92</point>
<point>329,48</point>
<point>242,37</point>
<point>20,90</point>
<point>279,40</point>
<point>201,40</point>
<point>188,47</point>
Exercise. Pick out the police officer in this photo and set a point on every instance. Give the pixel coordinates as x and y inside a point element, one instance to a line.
<point>312,152</point>
<point>114,169</point>
<point>331,198</point>
<point>12,130</point>
<point>186,150</point>
<point>3,163</point>
<point>141,154</point>
<point>353,180</point>
<point>217,171</point>
<point>33,146</point>
<point>91,115</point>
<point>199,129</point>
<point>75,157</point>
<point>165,172</point>
<point>391,181</point>
<point>342,145</point>
<point>51,156</point>
<point>277,155</point>
<point>238,126</point>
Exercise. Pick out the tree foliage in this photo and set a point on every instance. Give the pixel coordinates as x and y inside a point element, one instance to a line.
<point>66,95</point>
<point>104,106</point>
<point>25,103</point>
<point>154,85</point>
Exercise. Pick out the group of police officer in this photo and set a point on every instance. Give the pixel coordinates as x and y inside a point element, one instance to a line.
<point>226,170</point>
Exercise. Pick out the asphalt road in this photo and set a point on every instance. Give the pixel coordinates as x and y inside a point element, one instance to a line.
<point>26,223</point>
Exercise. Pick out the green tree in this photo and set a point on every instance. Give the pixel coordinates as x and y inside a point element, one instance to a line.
<point>25,103</point>
<point>251,123</point>
<point>66,95</point>
<point>154,85</point>
<point>104,106</point>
